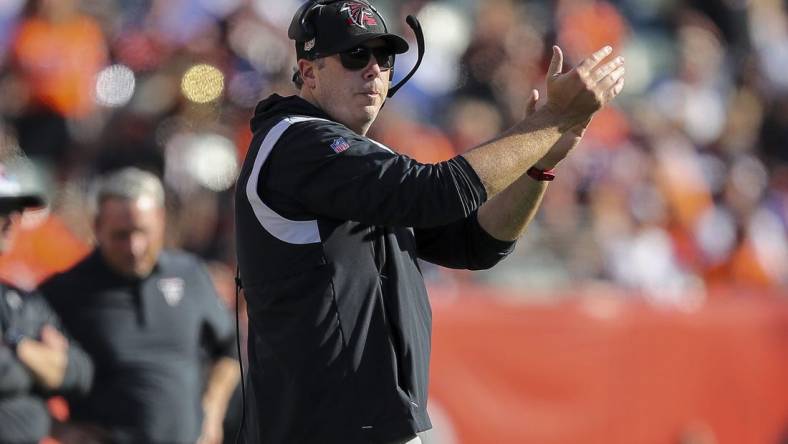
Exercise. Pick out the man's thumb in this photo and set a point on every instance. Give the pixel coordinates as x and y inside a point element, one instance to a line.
<point>556,63</point>
<point>530,106</point>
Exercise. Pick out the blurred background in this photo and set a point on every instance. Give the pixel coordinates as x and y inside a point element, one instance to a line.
<point>648,302</point>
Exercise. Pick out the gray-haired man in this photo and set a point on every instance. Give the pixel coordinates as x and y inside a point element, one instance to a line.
<point>148,317</point>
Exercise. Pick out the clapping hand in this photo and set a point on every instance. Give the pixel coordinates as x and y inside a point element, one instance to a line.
<point>577,94</point>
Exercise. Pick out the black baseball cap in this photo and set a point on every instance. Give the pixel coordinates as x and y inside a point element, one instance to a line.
<point>13,197</point>
<point>323,28</point>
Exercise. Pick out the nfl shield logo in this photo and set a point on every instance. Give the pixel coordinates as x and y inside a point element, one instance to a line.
<point>172,289</point>
<point>339,145</point>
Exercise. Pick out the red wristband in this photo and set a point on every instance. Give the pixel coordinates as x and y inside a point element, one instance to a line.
<point>541,175</point>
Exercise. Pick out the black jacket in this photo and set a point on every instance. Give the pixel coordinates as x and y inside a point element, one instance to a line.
<point>329,228</point>
<point>23,413</point>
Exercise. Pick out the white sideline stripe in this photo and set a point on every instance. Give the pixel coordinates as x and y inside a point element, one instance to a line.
<point>286,230</point>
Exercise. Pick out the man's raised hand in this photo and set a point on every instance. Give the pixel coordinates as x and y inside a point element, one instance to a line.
<point>580,92</point>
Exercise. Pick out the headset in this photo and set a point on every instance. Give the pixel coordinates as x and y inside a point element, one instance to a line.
<point>302,30</point>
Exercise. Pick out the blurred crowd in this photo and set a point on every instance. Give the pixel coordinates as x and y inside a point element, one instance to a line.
<point>679,188</point>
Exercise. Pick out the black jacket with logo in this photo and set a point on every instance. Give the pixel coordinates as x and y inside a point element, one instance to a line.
<point>329,228</point>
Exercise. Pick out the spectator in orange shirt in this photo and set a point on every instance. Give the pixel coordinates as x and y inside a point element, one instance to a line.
<point>58,52</point>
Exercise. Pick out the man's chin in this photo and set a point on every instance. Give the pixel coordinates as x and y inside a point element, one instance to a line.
<point>142,272</point>
<point>370,113</point>
<point>134,271</point>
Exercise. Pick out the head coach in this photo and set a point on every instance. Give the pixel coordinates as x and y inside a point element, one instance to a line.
<point>330,225</point>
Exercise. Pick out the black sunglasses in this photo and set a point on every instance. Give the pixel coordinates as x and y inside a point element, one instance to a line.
<point>358,58</point>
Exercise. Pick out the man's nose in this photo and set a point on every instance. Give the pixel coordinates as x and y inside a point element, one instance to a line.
<point>138,244</point>
<point>372,70</point>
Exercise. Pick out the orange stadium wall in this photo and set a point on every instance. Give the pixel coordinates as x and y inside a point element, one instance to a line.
<point>577,369</point>
<point>608,370</point>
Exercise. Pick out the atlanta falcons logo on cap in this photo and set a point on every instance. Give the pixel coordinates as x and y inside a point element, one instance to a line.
<point>359,14</point>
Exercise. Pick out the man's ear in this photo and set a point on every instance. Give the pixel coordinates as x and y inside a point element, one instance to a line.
<point>307,69</point>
